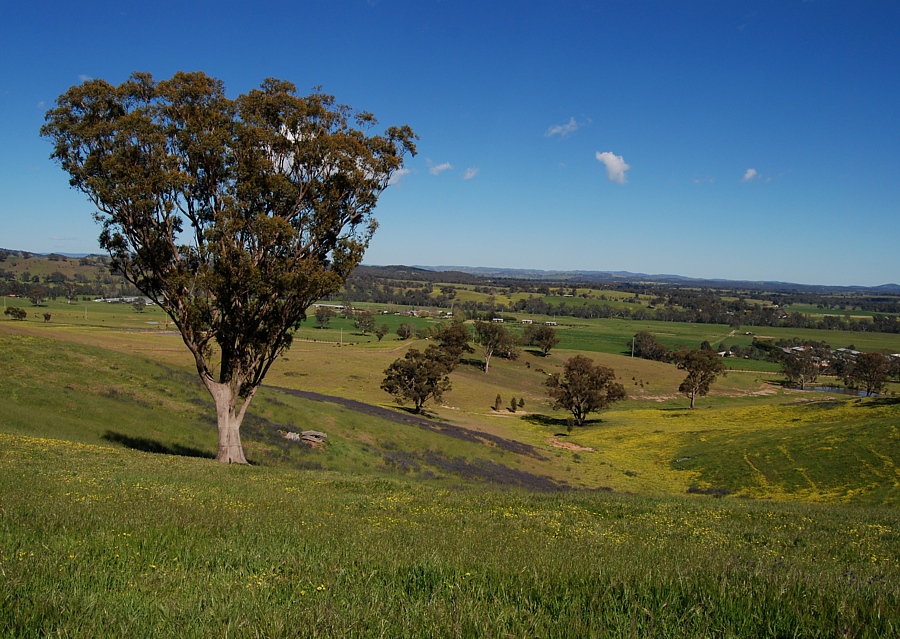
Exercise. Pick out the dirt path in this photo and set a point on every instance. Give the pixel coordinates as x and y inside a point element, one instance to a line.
<point>457,432</point>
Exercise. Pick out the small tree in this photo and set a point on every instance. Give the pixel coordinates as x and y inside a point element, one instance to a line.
<point>405,331</point>
<point>491,336</point>
<point>544,337</point>
<point>381,331</point>
<point>702,366</point>
<point>498,402</point>
<point>454,339</point>
<point>37,294</point>
<point>16,313</point>
<point>800,368</point>
<point>364,322</point>
<point>510,348</point>
<point>139,306</point>
<point>646,346</point>
<point>47,317</point>
<point>521,402</point>
<point>347,308</point>
<point>583,388</point>
<point>418,376</point>
<point>870,371</point>
<point>323,315</point>
<point>512,404</point>
<point>71,292</point>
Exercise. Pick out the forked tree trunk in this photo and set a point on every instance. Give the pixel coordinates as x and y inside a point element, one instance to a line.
<point>229,422</point>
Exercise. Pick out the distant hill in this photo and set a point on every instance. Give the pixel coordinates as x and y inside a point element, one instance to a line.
<point>480,274</point>
<point>644,278</point>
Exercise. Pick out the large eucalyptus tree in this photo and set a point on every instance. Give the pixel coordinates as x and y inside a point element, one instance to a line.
<point>233,215</point>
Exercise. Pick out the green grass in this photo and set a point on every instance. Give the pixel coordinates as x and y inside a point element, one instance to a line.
<point>113,394</point>
<point>812,309</point>
<point>103,542</point>
<point>837,450</point>
<point>390,530</point>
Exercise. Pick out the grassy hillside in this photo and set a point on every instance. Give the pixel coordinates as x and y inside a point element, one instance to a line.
<point>749,437</point>
<point>460,525</point>
<point>96,541</point>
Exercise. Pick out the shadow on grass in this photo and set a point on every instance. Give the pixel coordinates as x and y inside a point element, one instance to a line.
<point>153,446</point>
<point>412,411</point>
<point>545,420</point>
<point>875,402</point>
<point>557,422</point>
<point>474,363</point>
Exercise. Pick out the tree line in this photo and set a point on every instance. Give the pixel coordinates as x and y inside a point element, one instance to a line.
<point>801,361</point>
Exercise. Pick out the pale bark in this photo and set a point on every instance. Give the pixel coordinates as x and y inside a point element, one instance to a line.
<point>229,420</point>
<point>488,352</point>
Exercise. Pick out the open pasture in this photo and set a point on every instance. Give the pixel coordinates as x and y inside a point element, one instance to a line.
<point>463,525</point>
<point>107,542</point>
<point>72,382</point>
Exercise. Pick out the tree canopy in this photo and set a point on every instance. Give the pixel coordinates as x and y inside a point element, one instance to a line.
<point>870,372</point>
<point>801,367</point>
<point>364,322</point>
<point>233,215</point>
<point>583,388</point>
<point>492,337</point>
<point>454,339</point>
<point>419,376</point>
<point>544,337</point>
<point>324,315</point>
<point>703,368</point>
<point>646,346</point>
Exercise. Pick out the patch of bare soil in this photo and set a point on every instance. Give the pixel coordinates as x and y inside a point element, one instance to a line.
<point>660,398</point>
<point>569,446</point>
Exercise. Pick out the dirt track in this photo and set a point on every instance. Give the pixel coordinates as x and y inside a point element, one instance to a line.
<point>457,432</point>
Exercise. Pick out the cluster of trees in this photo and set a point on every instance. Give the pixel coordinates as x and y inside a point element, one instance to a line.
<point>92,279</point>
<point>802,361</point>
<point>583,387</point>
<point>865,371</point>
<point>670,304</point>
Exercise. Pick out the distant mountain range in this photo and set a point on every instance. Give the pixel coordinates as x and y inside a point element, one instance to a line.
<point>644,278</point>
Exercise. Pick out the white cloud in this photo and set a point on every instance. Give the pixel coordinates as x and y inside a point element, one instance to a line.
<point>564,130</point>
<point>470,173</point>
<point>398,175</point>
<point>749,174</point>
<point>440,168</point>
<point>615,166</point>
<point>84,78</point>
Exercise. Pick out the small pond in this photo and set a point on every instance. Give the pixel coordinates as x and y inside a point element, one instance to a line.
<point>838,390</point>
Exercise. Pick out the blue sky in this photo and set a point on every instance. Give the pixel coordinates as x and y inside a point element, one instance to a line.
<point>740,140</point>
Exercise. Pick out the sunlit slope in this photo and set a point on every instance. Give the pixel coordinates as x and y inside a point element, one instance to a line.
<point>748,437</point>
<point>841,450</point>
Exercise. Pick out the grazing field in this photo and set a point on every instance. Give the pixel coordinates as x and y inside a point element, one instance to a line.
<point>765,512</point>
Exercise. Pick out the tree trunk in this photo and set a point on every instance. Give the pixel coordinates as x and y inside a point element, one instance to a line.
<point>229,423</point>
<point>693,396</point>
